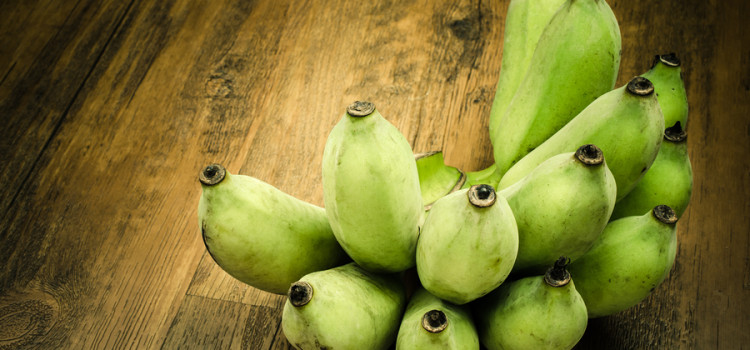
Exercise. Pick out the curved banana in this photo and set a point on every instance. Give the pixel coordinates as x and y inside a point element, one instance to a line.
<point>371,190</point>
<point>669,180</point>
<point>561,207</point>
<point>468,244</point>
<point>346,307</point>
<point>625,123</point>
<point>525,21</point>
<point>261,235</point>
<point>431,323</point>
<point>576,60</point>
<point>631,257</point>
<point>538,312</point>
<point>666,76</point>
<point>436,179</point>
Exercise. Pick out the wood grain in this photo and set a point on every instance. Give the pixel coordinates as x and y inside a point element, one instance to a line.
<point>111,109</point>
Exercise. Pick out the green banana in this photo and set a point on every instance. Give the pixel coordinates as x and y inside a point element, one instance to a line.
<point>467,245</point>
<point>561,207</point>
<point>666,76</point>
<point>525,21</point>
<point>431,323</point>
<point>668,181</point>
<point>631,257</point>
<point>371,190</point>
<point>576,60</point>
<point>626,123</point>
<point>436,179</point>
<point>346,307</point>
<point>538,312</point>
<point>261,235</point>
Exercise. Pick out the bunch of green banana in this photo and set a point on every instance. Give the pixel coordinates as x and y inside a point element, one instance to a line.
<point>537,312</point>
<point>631,257</point>
<point>468,245</point>
<point>261,235</point>
<point>371,190</point>
<point>669,181</point>
<point>346,307</point>
<point>625,123</point>
<point>479,249</point>
<point>561,207</point>
<point>575,61</point>
<point>431,323</point>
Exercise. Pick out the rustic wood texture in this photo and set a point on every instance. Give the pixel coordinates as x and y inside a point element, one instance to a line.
<point>111,108</point>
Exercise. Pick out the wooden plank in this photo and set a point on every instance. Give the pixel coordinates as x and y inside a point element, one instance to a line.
<point>106,224</point>
<point>47,50</point>
<point>219,324</point>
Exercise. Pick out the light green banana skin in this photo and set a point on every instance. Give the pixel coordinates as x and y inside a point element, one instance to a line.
<point>263,236</point>
<point>372,193</point>
<point>631,258</point>
<point>626,127</point>
<point>576,60</point>
<point>530,314</point>
<point>464,252</point>
<point>460,334</point>
<point>525,21</point>
<point>669,181</point>
<point>670,91</point>
<point>351,308</point>
<point>561,208</point>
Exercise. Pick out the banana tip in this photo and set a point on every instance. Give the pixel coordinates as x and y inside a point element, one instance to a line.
<point>300,293</point>
<point>212,174</point>
<point>669,59</point>
<point>640,86</point>
<point>665,214</point>
<point>558,275</point>
<point>434,321</point>
<point>590,155</point>
<point>360,109</point>
<point>482,196</point>
<point>675,133</point>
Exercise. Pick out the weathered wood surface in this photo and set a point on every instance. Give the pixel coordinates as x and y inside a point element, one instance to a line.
<point>111,108</point>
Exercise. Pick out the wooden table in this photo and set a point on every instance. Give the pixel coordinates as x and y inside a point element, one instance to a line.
<point>111,108</point>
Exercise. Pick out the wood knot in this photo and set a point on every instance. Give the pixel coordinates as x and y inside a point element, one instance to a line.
<point>219,86</point>
<point>22,322</point>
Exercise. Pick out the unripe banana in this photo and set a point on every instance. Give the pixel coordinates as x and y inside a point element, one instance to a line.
<point>561,207</point>
<point>431,323</point>
<point>631,257</point>
<point>468,245</point>
<point>666,76</point>
<point>669,180</point>
<point>261,235</point>
<point>525,21</point>
<point>539,312</point>
<point>436,179</point>
<point>346,307</point>
<point>371,190</point>
<point>576,60</point>
<point>625,123</point>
